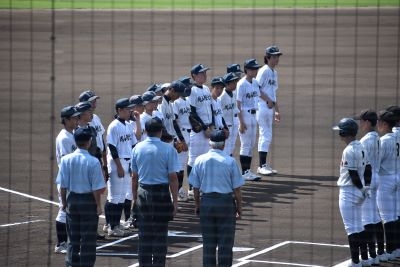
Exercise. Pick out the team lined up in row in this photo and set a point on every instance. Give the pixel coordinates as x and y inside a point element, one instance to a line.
<point>369,182</point>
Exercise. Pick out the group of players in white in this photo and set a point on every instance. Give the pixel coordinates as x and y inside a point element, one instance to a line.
<point>369,182</point>
<point>234,104</point>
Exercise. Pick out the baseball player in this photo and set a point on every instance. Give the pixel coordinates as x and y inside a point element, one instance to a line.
<point>217,86</point>
<point>370,214</point>
<point>150,102</point>
<point>181,108</point>
<point>201,109</point>
<point>137,109</point>
<point>91,97</point>
<point>230,110</point>
<point>386,195</point>
<point>159,90</point>
<point>268,109</point>
<point>65,144</point>
<point>120,141</point>
<point>247,97</point>
<point>354,167</point>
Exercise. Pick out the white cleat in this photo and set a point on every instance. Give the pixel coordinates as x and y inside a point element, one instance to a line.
<point>264,170</point>
<point>249,176</point>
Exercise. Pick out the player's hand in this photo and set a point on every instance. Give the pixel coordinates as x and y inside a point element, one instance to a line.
<point>120,171</point>
<point>207,132</point>
<point>366,191</point>
<point>242,127</point>
<point>226,132</point>
<point>277,117</point>
<point>136,115</point>
<point>184,146</point>
<point>270,104</point>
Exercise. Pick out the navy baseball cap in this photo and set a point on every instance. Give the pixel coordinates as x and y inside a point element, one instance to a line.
<point>165,86</point>
<point>150,96</point>
<point>69,111</point>
<point>155,87</point>
<point>217,136</point>
<point>387,116</point>
<point>273,50</point>
<point>185,80</point>
<point>367,115</point>
<point>136,100</point>
<point>83,106</point>
<point>251,64</point>
<point>196,69</point>
<point>229,77</point>
<point>178,87</point>
<point>233,68</point>
<point>88,95</point>
<point>395,110</point>
<point>123,103</point>
<point>217,80</point>
<point>82,134</point>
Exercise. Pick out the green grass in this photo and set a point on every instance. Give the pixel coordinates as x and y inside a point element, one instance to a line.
<point>191,4</point>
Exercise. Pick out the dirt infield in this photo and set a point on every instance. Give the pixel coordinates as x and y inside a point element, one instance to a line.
<point>334,63</point>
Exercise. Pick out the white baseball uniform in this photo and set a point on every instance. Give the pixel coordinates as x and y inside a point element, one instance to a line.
<point>386,195</point>
<point>65,144</point>
<point>230,114</point>
<point>143,118</point>
<point>168,114</point>
<point>96,123</point>
<point>217,112</point>
<point>396,131</point>
<point>267,78</point>
<point>370,212</point>
<point>121,135</point>
<point>247,95</point>
<point>181,108</point>
<point>200,98</point>
<point>350,197</point>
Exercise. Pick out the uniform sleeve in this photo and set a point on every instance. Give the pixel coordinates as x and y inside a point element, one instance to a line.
<point>192,98</point>
<point>261,77</point>
<point>239,96</point>
<point>112,137</point>
<point>134,166</point>
<point>349,159</point>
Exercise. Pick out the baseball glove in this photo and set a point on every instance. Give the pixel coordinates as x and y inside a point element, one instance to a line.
<point>165,136</point>
<point>180,146</point>
<point>196,125</point>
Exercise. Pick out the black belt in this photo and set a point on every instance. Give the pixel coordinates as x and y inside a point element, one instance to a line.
<point>127,159</point>
<point>235,115</point>
<point>186,130</point>
<point>216,194</point>
<point>154,186</point>
<point>252,111</point>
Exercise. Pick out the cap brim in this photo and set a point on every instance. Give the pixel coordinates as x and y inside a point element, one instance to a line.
<point>93,98</point>
<point>76,114</point>
<point>276,54</point>
<point>336,128</point>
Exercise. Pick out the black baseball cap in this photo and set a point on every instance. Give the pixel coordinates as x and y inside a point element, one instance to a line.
<point>88,95</point>
<point>217,136</point>
<point>83,106</point>
<point>251,64</point>
<point>217,80</point>
<point>196,69</point>
<point>150,96</point>
<point>123,103</point>
<point>82,134</point>
<point>229,77</point>
<point>136,100</point>
<point>155,87</point>
<point>273,50</point>
<point>395,110</point>
<point>387,116</point>
<point>68,112</point>
<point>185,80</point>
<point>179,87</point>
<point>367,115</point>
<point>233,68</point>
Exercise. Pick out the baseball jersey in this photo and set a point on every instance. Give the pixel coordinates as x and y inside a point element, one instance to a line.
<point>120,134</point>
<point>353,158</point>
<point>143,118</point>
<point>248,93</point>
<point>267,78</point>
<point>168,114</point>
<point>371,144</point>
<point>65,144</point>
<point>396,131</point>
<point>229,107</point>
<point>98,126</point>
<point>388,154</point>
<point>200,98</point>
<point>217,110</point>
<point>181,108</point>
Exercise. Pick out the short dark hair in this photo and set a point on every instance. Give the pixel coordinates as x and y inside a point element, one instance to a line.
<point>153,126</point>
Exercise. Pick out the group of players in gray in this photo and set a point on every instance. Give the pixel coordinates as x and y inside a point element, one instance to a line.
<point>369,182</point>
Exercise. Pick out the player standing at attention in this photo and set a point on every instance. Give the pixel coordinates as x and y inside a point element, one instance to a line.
<point>235,69</point>
<point>65,144</point>
<point>201,109</point>
<point>386,196</point>
<point>370,214</point>
<point>247,97</point>
<point>217,86</point>
<point>120,140</point>
<point>354,168</point>
<point>230,110</point>
<point>268,109</point>
<point>150,102</point>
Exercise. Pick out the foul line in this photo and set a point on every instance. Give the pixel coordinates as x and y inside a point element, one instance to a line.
<point>13,224</point>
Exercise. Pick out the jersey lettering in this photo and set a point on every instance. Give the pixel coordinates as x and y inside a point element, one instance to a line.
<point>125,138</point>
<point>252,95</point>
<point>203,98</point>
<point>271,82</point>
<point>185,110</point>
<point>229,106</point>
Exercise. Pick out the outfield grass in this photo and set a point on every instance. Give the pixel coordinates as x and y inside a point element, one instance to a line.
<point>192,4</point>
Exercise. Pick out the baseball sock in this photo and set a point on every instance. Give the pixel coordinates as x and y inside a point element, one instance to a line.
<point>363,241</point>
<point>370,239</point>
<point>107,212</point>
<point>245,162</point>
<point>397,234</point>
<point>61,229</point>
<point>263,157</point>
<point>389,234</point>
<point>354,247</point>
<point>127,208</point>
<point>188,170</point>
<point>380,238</point>
<point>180,179</point>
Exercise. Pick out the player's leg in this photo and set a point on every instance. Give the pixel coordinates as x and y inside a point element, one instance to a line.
<point>265,121</point>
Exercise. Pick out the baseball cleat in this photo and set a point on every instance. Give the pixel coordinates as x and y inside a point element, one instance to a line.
<point>249,176</point>
<point>117,232</point>
<point>264,170</point>
<point>62,248</point>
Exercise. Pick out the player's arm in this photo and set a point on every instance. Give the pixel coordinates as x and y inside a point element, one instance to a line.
<point>277,114</point>
<point>138,132</point>
<point>193,113</point>
<point>115,156</point>
<point>368,174</point>
<point>355,179</point>
<point>242,124</point>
